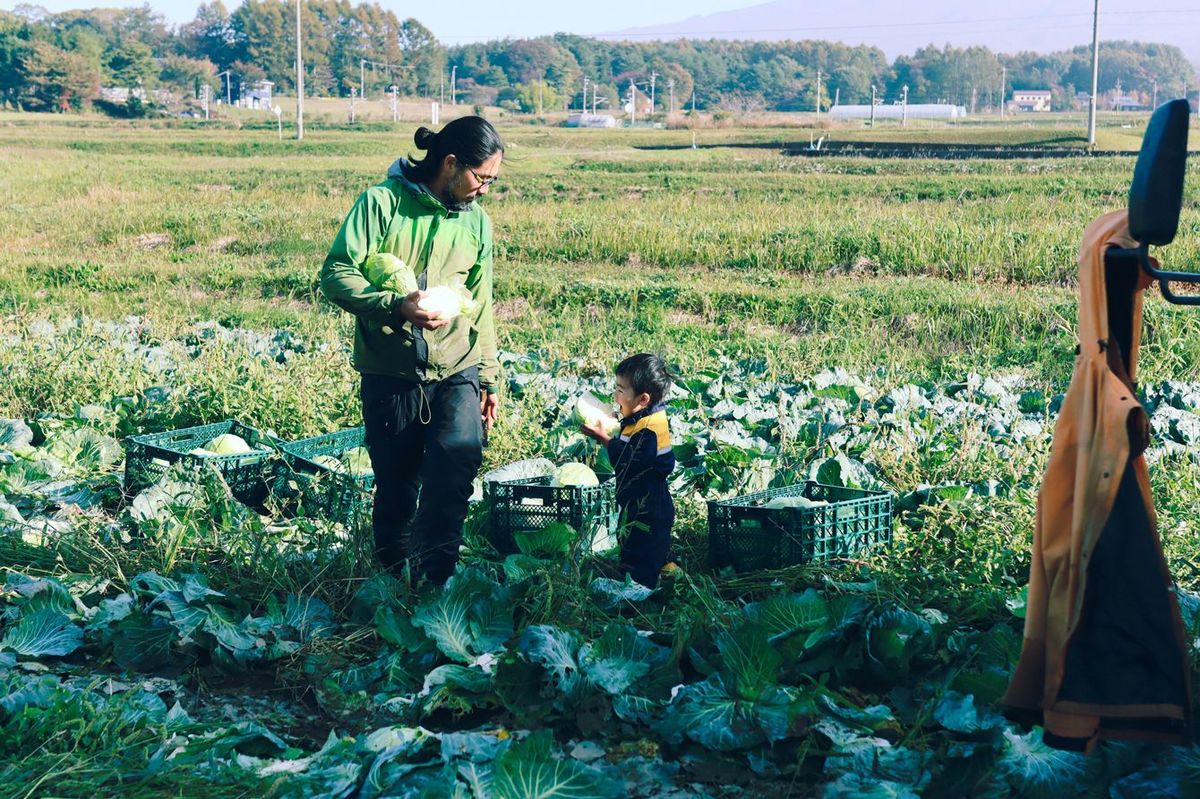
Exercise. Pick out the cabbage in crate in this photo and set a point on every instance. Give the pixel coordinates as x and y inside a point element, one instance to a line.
<point>224,444</point>
<point>329,462</point>
<point>227,444</point>
<point>794,502</point>
<point>574,474</point>
<point>355,461</point>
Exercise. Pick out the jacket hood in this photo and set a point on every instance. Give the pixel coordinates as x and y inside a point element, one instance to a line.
<point>399,170</point>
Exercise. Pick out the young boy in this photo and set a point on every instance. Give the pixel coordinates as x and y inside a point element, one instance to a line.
<point>642,458</point>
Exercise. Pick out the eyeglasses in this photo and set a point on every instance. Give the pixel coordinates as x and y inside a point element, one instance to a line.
<point>483,181</point>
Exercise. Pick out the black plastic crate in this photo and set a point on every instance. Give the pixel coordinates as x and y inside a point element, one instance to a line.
<point>319,490</point>
<point>747,536</point>
<point>149,456</point>
<point>532,503</point>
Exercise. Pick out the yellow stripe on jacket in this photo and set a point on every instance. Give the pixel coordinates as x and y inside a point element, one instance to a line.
<point>657,422</point>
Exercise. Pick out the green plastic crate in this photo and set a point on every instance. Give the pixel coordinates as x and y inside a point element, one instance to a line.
<point>149,456</point>
<point>319,490</point>
<point>532,503</point>
<point>745,535</point>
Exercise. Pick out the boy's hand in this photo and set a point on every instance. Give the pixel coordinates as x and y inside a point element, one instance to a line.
<point>595,430</point>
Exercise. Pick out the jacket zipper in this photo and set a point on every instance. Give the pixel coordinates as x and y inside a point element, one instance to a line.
<point>430,348</point>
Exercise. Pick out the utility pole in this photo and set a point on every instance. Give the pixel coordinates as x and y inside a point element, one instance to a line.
<point>299,80</point>
<point>362,76</point>
<point>453,84</point>
<point>693,99</point>
<point>973,95</point>
<point>818,95</point>
<point>1003,83</point>
<point>632,103</point>
<point>442,86</point>
<point>353,92</point>
<point>872,105</point>
<point>904,108</point>
<point>205,90</point>
<point>1154,101</point>
<point>583,105</point>
<point>226,74</point>
<point>1095,74</point>
<point>671,89</point>
<point>395,105</point>
<point>653,75</point>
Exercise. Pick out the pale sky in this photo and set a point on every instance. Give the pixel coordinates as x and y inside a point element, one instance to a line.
<point>1038,25</point>
<point>476,20</point>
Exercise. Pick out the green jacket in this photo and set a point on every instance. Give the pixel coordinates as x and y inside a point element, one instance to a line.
<point>443,248</point>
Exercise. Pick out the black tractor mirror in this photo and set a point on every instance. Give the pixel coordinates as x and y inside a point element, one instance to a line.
<point>1156,196</point>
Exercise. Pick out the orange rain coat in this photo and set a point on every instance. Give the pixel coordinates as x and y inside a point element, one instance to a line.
<point>1104,653</point>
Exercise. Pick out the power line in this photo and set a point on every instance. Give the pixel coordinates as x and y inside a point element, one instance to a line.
<point>865,26</point>
<point>362,72</point>
<point>870,26</point>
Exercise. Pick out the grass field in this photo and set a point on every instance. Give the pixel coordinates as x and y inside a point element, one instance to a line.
<point>913,317</point>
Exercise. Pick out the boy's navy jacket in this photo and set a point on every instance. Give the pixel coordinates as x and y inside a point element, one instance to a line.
<point>642,459</point>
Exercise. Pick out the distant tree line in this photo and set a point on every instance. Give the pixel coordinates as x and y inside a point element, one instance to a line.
<point>783,76</point>
<point>60,61</point>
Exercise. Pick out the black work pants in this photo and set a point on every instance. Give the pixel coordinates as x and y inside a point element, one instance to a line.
<point>426,446</point>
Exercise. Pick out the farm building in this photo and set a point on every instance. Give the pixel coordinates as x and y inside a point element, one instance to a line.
<point>591,121</point>
<point>1030,100</point>
<point>897,111</point>
<point>258,95</point>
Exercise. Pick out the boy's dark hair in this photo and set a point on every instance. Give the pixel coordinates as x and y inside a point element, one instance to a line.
<point>647,374</point>
<point>472,140</point>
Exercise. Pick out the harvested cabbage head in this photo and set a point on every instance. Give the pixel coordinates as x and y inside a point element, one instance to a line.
<point>227,444</point>
<point>329,462</point>
<point>589,410</point>
<point>575,474</point>
<point>386,272</point>
<point>448,302</point>
<point>357,461</point>
<point>794,502</point>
